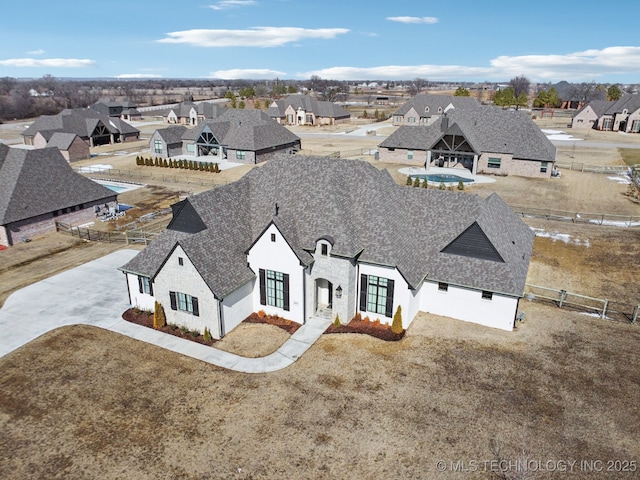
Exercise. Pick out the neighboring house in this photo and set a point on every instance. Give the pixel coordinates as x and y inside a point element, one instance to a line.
<point>301,237</point>
<point>38,188</point>
<point>167,142</point>
<point>486,140</point>
<point>622,116</point>
<point>190,113</point>
<point>91,126</point>
<point>242,136</point>
<point>71,146</point>
<point>424,109</point>
<point>124,110</point>
<point>301,109</point>
<point>587,116</point>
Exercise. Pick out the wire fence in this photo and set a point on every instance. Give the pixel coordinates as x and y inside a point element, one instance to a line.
<point>601,307</point>
<point>151,174</point>
<point>607,219</point>
<point>606,169</point>
<point>358,152</point>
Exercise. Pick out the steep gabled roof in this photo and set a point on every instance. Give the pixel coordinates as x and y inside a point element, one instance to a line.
<point>80,121</point>
<point>599,107</point>
<point>35,182</point>
<point>630,103</point>
<point>250,130</point>
<point>436,104</point>
<point>309,104</point>
<point>61,140</point>
<point>487,129</point>
<point>172,135</point>
<point>367,215</point>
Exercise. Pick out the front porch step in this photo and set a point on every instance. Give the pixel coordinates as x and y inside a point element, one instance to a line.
<point>326,313</point>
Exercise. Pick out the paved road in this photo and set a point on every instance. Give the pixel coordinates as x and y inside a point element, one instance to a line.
<point>96,294</point>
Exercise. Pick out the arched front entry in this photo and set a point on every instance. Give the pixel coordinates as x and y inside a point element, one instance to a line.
<point>323,297</point>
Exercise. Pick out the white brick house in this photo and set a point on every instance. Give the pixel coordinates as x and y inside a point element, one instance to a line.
<point>304,236</point>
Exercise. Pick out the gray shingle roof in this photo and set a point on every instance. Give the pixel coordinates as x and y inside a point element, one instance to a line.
<point>487,129</point>
<point>172,135</point>
<point>309,104</point>
<point>250,130</point>
<point>630,103</point>
<point>35,182</point>
<point>81,121</point>
<point>365,212</point>
<point>435,102</point>
<point>61,140</point>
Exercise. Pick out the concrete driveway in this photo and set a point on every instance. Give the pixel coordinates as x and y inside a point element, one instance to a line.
<point>96,294</point>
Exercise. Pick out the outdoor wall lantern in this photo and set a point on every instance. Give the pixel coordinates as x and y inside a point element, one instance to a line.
<point>339,292</point>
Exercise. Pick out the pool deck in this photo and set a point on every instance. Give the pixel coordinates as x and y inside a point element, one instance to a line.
<point>460,172</point>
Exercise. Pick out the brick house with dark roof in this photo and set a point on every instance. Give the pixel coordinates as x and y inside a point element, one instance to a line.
<point>484,140</point>
<point>71,146</point>
<point>242,136</point>
<point>301,109</point>
<point>91,126</point>
<point>38,188</point>
<point>426,108</point>
<point>191,113</point>
<point>302,236</point>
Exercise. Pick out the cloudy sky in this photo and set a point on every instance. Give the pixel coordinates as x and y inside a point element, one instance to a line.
<point>465,40</point>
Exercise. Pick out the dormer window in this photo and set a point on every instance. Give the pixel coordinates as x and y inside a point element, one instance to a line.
<point>439,109</point>
<point>426,109</point>
<point>324,249</point>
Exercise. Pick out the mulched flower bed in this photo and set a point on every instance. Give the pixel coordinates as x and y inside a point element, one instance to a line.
<point>260,317</point>
<point>367,327</point>
<point>145,319</point>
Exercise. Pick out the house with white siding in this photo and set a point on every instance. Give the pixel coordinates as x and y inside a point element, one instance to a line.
<point>299,109</point>
<point>301,237</point>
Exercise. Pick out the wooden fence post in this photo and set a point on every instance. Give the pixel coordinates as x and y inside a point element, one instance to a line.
<point>604,308</point>
<point>635,314</point>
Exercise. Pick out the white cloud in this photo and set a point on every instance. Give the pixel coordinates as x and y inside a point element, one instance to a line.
<point>226,4</point>
<point>572,66</point>
<point>413,19</point>
<point>36,52</point>
<point>399,72</point>
<point>252,73</point>
<point>253,37</point>
<point>579,66</point>
<point>47,62</point>
<point>137,75</point>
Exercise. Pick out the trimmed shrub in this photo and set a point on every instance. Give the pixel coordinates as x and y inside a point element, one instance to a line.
<point>409,181</point>
<point>337,322</point>
<point>207,335</point>
<point>159,318</point>
<point>171,163</point>
<point>425,184</point>
<point>460,185</point>
<point>396,325</point>
<point>416,182</point>
<point>442,186</point>
<point>165,164</point>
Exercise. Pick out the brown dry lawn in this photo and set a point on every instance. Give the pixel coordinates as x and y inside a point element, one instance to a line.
<point>81,402</point>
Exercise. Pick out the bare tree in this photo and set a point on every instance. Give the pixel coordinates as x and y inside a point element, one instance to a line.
<point>417,85</point>
<point>586,92</point>
<point>520,85</point>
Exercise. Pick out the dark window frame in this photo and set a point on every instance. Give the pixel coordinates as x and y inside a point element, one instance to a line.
<point>274,289</point>
<point>185,303</point>
<point>372,287</point>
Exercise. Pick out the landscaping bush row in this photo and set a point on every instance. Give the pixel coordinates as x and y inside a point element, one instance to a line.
<point>415,182</point>
<point>181,164</point>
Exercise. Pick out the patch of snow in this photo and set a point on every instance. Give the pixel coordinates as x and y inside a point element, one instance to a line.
<point>622,179</point>
<point>616,223</point>
<point>594,314</point>
<point>559,135</point>
<point>95,168</point>
<point>563,237</point>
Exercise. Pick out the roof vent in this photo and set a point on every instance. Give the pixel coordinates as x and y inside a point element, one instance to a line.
<point>277,209</point>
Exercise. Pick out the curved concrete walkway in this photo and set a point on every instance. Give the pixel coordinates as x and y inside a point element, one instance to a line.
<point>96,294</point>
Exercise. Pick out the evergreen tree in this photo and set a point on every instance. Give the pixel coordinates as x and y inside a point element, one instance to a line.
<point>409,181</point>
<point>396,325</point>
<point>159,318</point>
<point>416,182</point>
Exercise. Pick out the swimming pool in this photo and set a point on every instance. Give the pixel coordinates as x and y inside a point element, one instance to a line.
<point>442,177</point>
